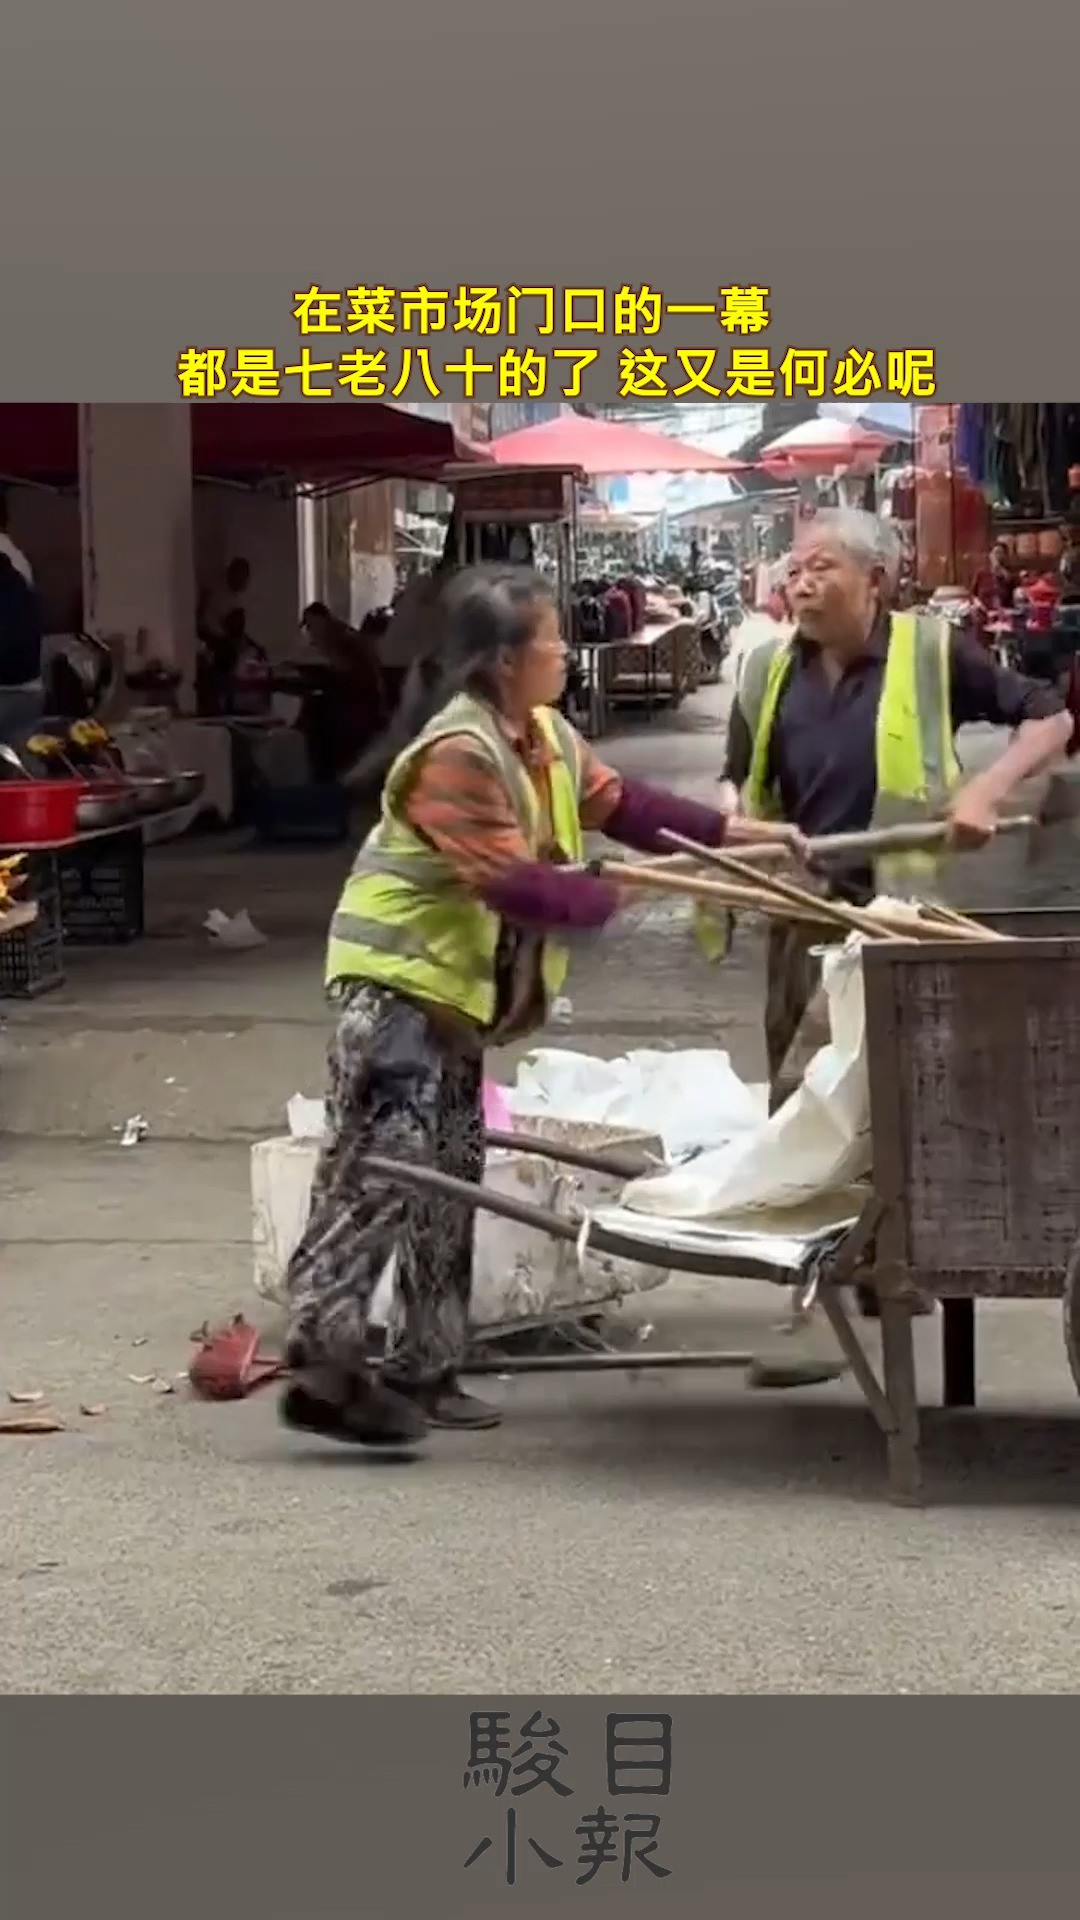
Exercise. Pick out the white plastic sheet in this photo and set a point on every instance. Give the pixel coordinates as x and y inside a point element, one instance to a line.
<point>693,1101</point>
<point>818,1143</point>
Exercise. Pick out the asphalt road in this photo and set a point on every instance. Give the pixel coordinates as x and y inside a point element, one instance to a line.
<point>633,1534</point>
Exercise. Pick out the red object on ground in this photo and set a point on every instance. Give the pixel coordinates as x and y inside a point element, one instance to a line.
<point>35,810</point>
<point>228,1365</point>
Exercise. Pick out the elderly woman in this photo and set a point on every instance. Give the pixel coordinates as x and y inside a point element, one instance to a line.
<point>450,936</point>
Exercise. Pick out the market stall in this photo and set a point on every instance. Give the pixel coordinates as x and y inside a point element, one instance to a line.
<point>827,461</point>
<point>997,501</point>
<point>260,739</point>
<point>497,510</point>
<point>658,667</point>
<point>609,542</point>
<point>633,649</point>
<point>73,825</point>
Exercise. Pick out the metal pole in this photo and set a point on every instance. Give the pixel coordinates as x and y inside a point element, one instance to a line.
<point>607,1362</point>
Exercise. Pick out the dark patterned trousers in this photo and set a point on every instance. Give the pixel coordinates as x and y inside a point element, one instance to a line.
<point>796,1016</point>
<point>399,1089</point>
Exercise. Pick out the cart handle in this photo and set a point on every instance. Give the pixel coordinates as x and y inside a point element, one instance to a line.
<point>522,1211</point>
<point>600,1240</point>
<point>621,1166</point>
<point>403,1174</point>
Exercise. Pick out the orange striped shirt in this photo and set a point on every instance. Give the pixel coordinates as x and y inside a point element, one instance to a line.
<point>459,804</point>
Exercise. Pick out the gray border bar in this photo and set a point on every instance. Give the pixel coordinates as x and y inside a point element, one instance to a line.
<point>316,1807</point>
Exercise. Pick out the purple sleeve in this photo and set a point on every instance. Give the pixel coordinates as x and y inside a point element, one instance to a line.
<point>643,812</point>
<point>545,899</point>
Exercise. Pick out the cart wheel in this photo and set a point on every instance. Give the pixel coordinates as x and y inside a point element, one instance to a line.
<point>1070,1313</point>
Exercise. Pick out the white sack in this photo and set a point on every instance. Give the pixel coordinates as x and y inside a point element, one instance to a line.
<point>520,1276</point>
<point>819,1142</point>
<point>692,1101</point>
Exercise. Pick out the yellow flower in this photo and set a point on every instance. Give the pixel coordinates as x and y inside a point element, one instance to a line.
<point>87,733</point>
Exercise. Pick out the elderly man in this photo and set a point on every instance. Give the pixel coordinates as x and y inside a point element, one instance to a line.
<point>851,724</point>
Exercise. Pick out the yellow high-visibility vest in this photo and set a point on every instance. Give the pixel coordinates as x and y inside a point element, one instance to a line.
<point>916,763</point>
<point>404,920</point>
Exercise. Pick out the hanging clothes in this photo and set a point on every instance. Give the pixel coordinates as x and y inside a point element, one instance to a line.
<point>968,441</point>
<point>492,544</point>
<point>1024,432</point>
<point>1004,466</point>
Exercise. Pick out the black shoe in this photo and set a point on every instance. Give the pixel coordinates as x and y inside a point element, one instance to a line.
<point>776,1375</point>
<point>359,1412</point>
<point>445,1405</point>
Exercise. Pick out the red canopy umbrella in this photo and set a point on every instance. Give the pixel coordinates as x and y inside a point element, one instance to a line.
<point>599,448</point>
<point>821,446</point>
<point>254,442</point>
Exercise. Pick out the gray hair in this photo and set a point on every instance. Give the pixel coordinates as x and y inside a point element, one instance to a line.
<point>871,542</point>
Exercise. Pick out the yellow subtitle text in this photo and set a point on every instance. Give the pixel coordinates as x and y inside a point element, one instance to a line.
<point>409,369</point>
<point>489,312</point>
<point>377,342</point>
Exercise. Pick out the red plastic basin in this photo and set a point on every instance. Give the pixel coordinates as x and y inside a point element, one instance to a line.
<point>35,810</point>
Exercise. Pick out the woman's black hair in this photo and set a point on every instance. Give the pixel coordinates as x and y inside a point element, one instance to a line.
<point>471,619</point>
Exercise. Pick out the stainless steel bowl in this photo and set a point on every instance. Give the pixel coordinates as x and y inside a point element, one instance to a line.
<point>104,810</point>
<point>153,792</point>
<point>187,787</point>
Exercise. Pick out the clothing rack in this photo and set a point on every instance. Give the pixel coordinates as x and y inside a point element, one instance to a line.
<point>1022,452</point>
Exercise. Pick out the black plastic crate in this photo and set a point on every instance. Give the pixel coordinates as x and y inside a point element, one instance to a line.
<point>32,957</point>
<point>102,891</point>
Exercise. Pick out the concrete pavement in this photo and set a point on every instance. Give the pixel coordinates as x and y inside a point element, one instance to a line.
<point>651,1533</point>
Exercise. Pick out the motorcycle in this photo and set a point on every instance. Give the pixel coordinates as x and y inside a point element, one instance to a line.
<point>713,632</point>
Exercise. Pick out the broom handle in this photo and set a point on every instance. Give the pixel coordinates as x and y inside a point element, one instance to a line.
<point>752,899</point>
<point>838,913</point>
<point>923,836</point>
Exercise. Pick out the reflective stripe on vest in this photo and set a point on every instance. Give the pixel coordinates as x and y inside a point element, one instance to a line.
<point>404,919</point>
<point>915,755</point>
<point>421,862</point>
<point>374,933</point>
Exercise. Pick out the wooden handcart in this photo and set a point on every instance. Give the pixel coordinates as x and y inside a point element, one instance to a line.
<point>974,1070</point>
